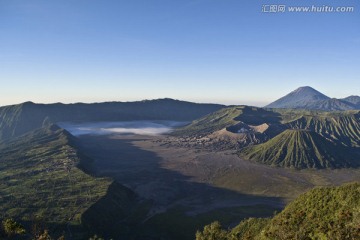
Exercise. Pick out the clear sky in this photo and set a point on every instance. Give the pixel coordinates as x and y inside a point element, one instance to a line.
<point>225,51</point>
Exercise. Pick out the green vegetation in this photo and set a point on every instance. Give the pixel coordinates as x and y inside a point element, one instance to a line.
<point>248,229</point>
<point>212,231</point>
<point>229,117</point>
<point>46,180</point>
<point>281,137</point>
<point>322,213</point>
<point>42,180</point>
<point>212,122</point>
<point>11,228</point>
<point>340,127</point>
<point>240,127</point>
<point>300,149</point>
<point>44,185</point>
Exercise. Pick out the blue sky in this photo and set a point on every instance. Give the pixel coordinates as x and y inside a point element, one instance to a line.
<point>224,51</point>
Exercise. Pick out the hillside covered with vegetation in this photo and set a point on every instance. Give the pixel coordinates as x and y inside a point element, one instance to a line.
<point>300,149</point>
<point>342,128</point>
<point>229,117</point>
<point>322,213</point>
<point>280,137</point>
<point>46,183</point>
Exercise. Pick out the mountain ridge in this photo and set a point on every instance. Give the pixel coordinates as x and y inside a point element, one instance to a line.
<point>308,138</point>
<point>311,99</point>
<point>16,120</point>
<point>49,176</point>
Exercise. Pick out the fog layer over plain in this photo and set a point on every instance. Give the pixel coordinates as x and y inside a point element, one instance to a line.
<point>132,127</point>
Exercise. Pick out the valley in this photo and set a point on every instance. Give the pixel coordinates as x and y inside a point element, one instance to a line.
<point>145,171</point>
<point>133,160</point>
<point>193,182</point>
<point>179,120</point>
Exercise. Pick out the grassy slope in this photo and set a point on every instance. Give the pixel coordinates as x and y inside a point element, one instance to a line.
<point>322,213</point>
<point>342,128</point>
<point>331,139</point>
<point>212,122</point>
<point>39,179</point>
<point>300,149</point>
<point>227,117</point>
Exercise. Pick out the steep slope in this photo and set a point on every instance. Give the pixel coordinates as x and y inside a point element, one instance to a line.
<point>232,128</point>
<point>42,179</point>
<point>303,96</point>
<point>321,213</point>
<point>299,149</point>
<point>214,121</point>
<point>341,128</point>
<point>319,139</point>
<point>235,119</point>
<point>16,120</point>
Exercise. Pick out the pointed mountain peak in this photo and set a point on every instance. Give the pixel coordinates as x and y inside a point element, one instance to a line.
<point>309,91</point>
<point>306,89</point>
<point>302,96</point>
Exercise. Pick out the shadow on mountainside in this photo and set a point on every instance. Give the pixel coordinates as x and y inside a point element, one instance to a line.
<point>158,203</point>
<point>256,116</point>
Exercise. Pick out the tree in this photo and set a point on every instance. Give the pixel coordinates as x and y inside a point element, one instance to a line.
<point>12,228</point>
<point>212,232</point>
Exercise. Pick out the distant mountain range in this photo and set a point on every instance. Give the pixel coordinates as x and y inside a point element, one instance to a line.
<point>45,171</point>
<point>311,99</point>
<point>293,131</point>
<point>16,120</point>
